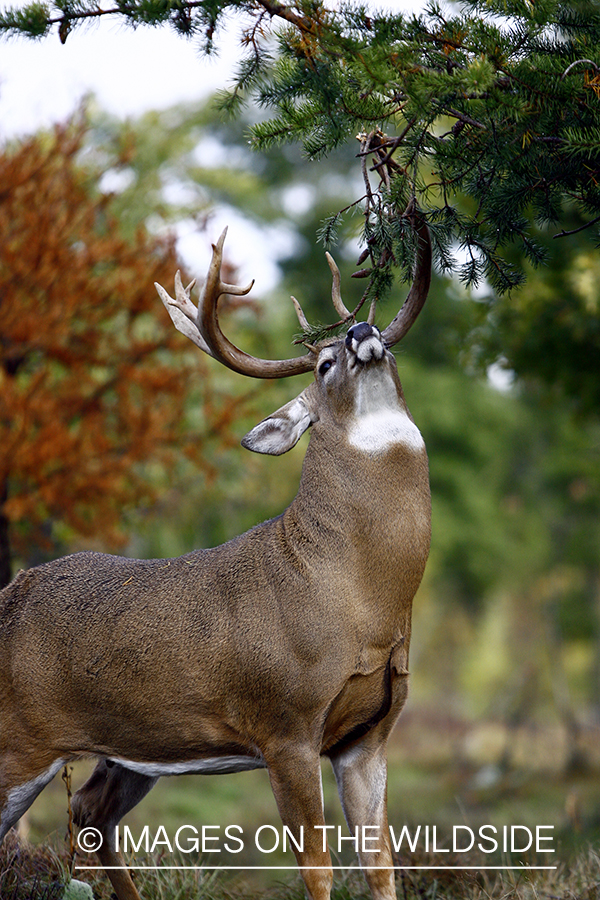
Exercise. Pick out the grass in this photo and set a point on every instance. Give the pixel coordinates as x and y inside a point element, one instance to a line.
<point>28,872</point>
<point>38,873</point>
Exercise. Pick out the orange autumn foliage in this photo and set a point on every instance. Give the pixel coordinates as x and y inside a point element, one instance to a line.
<point>93,376</point>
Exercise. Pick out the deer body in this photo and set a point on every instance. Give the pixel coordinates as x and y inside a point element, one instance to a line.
<point>285,644</point>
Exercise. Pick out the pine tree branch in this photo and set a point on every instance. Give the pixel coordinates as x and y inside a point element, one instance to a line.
<point>280,11</point>
<point>577,230</point>
<point>523,141</point>
<point>466,120</point>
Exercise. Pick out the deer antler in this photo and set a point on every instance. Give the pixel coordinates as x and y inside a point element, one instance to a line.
<point>336,295</point>
<point>202,325</point>
<point>417,295</point>
<point>183,312</point>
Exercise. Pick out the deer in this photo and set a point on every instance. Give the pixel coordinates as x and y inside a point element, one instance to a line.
<point>285,645</point>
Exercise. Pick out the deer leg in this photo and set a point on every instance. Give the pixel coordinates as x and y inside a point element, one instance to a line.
<point>18,789</point>
<point>361,776</point>
<point>111,792</point>
<point>296,783</point>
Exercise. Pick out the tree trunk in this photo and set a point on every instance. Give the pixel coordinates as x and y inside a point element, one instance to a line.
<point>5,560</point>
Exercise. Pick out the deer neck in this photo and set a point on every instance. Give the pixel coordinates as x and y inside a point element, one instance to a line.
<point>380,420</point>
<point>366,458</point>
<point>362,512</point>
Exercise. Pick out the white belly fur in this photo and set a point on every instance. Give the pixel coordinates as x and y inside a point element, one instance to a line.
<point>218,765</point>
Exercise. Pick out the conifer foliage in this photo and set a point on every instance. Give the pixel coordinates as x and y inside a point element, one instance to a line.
<point>498,103</point>
<point>93,377</point>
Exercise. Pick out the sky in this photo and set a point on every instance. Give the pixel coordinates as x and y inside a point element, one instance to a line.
<point>129,71</point>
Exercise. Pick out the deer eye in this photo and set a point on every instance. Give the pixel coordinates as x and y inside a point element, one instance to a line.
<point>325,366</point>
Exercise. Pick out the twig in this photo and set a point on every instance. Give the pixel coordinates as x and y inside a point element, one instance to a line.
<point>463,118</point>
<point>66,777</point>
<point>589,62</point>
<point>577,230</point>
<point>393,145</point>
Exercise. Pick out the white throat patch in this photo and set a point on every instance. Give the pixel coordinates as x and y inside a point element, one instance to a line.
<point>380,421</point>
<point>378,431</point>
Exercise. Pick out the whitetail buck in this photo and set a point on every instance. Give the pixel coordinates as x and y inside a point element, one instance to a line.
<point>284,645</point>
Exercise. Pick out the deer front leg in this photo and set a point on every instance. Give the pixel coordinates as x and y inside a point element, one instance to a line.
<point>296,782</point>
<point>361,776</point>
<point>111,792</point>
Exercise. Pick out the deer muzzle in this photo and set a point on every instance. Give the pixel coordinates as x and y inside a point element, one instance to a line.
<point>365,342</point>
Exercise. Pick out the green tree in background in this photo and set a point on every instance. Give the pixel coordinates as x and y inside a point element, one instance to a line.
<point>550,331</point>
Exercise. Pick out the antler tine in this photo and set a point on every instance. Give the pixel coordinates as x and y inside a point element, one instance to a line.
<point>336,295</point>
<point>372,311</point>
<point>417,295</point>
<point>219,346</point>
<point>213,286</point>
<point>183,297</point>
<point>304,323</point>
<point>183,312</point>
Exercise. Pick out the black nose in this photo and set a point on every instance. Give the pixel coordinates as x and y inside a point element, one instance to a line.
<point>358,333</point>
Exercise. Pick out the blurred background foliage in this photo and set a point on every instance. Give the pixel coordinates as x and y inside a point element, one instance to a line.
<point>507,623</point>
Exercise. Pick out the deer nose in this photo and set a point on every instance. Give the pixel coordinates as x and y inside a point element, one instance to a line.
<point>358,332</point>
<point>365,342</point>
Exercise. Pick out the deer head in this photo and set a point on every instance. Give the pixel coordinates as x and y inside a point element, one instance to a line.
<point>201,324</point>
<point>338,365</point>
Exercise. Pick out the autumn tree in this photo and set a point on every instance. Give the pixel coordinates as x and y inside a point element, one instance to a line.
<point>93,377</point>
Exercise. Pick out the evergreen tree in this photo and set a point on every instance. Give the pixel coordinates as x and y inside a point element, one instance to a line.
<point>498,102</point>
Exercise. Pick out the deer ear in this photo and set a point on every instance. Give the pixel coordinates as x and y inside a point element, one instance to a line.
<point>282,430</point>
